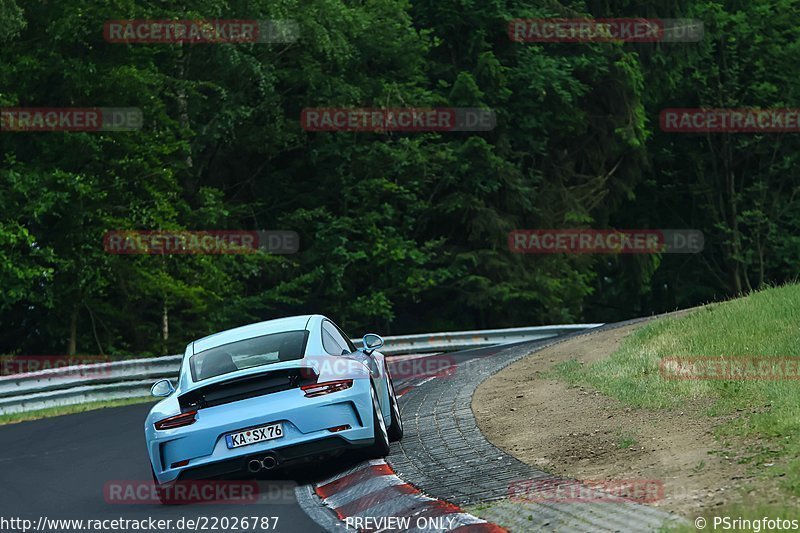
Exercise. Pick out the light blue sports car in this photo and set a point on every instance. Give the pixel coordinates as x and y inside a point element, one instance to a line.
<point>269,394</point>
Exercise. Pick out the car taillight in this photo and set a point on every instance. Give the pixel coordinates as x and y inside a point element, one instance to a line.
<point>327,387</point>
<point>178,421</point>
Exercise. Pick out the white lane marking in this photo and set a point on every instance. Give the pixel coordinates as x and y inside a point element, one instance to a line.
<point>362,489</point>
<point>351,470</point>
<point>396,506</point>
<point>424,381</point>
<point>390,358</point>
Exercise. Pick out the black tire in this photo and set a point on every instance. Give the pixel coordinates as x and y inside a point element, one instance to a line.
<point>395,430</point>
<point>380,448</point>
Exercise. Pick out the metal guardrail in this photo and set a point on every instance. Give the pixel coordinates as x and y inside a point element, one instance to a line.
<point>463,340</point>
<point>131,379</point>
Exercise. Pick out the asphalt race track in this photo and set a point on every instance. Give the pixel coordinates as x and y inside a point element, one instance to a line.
<point>59,468</point>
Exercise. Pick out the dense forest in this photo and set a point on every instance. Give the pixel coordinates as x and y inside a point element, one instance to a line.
<point>399,231</point>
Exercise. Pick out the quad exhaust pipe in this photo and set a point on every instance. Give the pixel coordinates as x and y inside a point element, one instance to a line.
<point>267,463</point>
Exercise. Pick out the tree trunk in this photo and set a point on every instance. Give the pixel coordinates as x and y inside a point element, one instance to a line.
<point>164,328</point>
<point>73,332</point>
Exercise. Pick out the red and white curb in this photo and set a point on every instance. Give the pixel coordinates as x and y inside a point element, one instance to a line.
<point>370,497</point>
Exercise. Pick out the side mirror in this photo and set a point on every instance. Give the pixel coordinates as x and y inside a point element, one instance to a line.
<point>162,387</point>
<point>372,342</point>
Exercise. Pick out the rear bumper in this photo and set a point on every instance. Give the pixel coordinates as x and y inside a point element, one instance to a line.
<point>285,456</point>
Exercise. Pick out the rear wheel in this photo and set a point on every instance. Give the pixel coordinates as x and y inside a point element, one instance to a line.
<point>380,448</point>
<point>395,430</point>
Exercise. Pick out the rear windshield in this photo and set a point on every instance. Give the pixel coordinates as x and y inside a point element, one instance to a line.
<point>248,353</point>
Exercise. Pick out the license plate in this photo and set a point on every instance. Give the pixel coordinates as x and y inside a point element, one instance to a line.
<point>254,435</point>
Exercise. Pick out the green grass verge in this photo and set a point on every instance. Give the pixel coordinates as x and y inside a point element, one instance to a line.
<point>766,323</point>
<point>69,409</point>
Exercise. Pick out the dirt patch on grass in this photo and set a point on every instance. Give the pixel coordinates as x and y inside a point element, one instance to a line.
<point>579,433</point>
